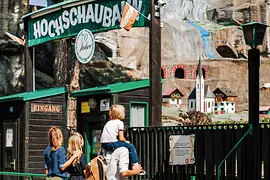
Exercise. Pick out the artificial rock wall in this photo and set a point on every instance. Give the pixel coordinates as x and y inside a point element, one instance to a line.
<point>191,29</point>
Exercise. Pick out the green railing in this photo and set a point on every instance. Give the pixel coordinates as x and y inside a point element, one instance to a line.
<point>30,175</point>
<point>219,166</point>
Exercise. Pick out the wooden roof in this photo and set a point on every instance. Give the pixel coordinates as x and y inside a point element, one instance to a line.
<point>226,91</point>
<point>170,91</point>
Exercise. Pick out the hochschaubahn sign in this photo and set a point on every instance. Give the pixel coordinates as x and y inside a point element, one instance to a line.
<point>67,19</point>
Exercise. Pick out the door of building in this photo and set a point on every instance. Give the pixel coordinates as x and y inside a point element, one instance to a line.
<point>138,114</point>
<point>92,145</point>
<point>10,145</point>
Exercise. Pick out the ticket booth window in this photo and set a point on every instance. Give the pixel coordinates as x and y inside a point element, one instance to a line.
<point>138,114</point>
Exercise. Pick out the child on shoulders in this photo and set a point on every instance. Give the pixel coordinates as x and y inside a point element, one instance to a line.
<point>113,128</point>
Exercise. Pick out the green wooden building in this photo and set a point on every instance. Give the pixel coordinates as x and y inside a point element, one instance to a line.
<point>25,119</point>
<point>93,106</point>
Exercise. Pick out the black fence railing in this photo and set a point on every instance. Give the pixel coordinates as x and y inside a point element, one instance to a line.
<point>212,144</point>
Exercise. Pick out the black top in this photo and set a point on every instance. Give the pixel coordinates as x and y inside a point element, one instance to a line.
<point>76,172</point>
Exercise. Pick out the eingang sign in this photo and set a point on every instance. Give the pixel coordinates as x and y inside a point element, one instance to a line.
<point>101,15</point>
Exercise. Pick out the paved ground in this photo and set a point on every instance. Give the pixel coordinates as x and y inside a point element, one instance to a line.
<point>234,117</point>
<point>174,111</point>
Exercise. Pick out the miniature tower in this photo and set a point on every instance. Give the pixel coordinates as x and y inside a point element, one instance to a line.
<point>200,89</point>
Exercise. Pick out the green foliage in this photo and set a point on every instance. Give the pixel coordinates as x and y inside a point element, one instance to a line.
<point>265,120</point>
<point>193,118</point>
<point>262,120</point>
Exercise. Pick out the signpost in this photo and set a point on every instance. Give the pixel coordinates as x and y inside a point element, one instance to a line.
<point>182,149</point>
<point>104,104</point>
<point>84,46</point>
<point>155,92</point>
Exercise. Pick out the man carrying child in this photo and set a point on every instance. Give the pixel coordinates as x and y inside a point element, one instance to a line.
<point>113,140</point>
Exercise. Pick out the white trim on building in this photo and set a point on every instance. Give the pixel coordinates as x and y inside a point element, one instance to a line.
<point>209,105</point>
<point>172,101</point>
<point>225,107</point>
<point>192,104</point>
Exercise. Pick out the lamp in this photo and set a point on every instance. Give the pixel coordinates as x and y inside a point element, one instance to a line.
<point>254,33</point>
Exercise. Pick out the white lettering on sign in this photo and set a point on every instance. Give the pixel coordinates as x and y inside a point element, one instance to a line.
<point>51,108</point>
<point>98,19</point>
<point>51,24</point>
<point>107,19</point>
<point>73,13</point>
<point>65,19</point>
<point>37,33</point>
<point>44,27</point>
<point>59,26</point>
<point>116,15</point>
<point>90,14</point>
<point>81,15</point>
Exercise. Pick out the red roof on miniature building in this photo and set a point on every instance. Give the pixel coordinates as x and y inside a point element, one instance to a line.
<point>170,91</point>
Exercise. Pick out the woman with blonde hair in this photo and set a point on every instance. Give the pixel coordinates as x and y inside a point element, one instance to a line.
<point>77,168</point>
<point>55,156</point>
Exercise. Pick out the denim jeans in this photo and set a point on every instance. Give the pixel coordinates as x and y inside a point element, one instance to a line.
<point>131,148</point>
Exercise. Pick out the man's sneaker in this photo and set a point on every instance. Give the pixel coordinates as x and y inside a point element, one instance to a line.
<point>142,173</point>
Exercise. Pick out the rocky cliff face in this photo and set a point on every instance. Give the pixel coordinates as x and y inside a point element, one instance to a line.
<point>190,29</point>
<point>11,64</point>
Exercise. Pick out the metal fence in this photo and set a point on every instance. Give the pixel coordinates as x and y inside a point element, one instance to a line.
<point>212,144</point>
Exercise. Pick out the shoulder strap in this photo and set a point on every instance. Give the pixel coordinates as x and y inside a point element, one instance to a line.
<point>101,170</point>
<point>101,157</point>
